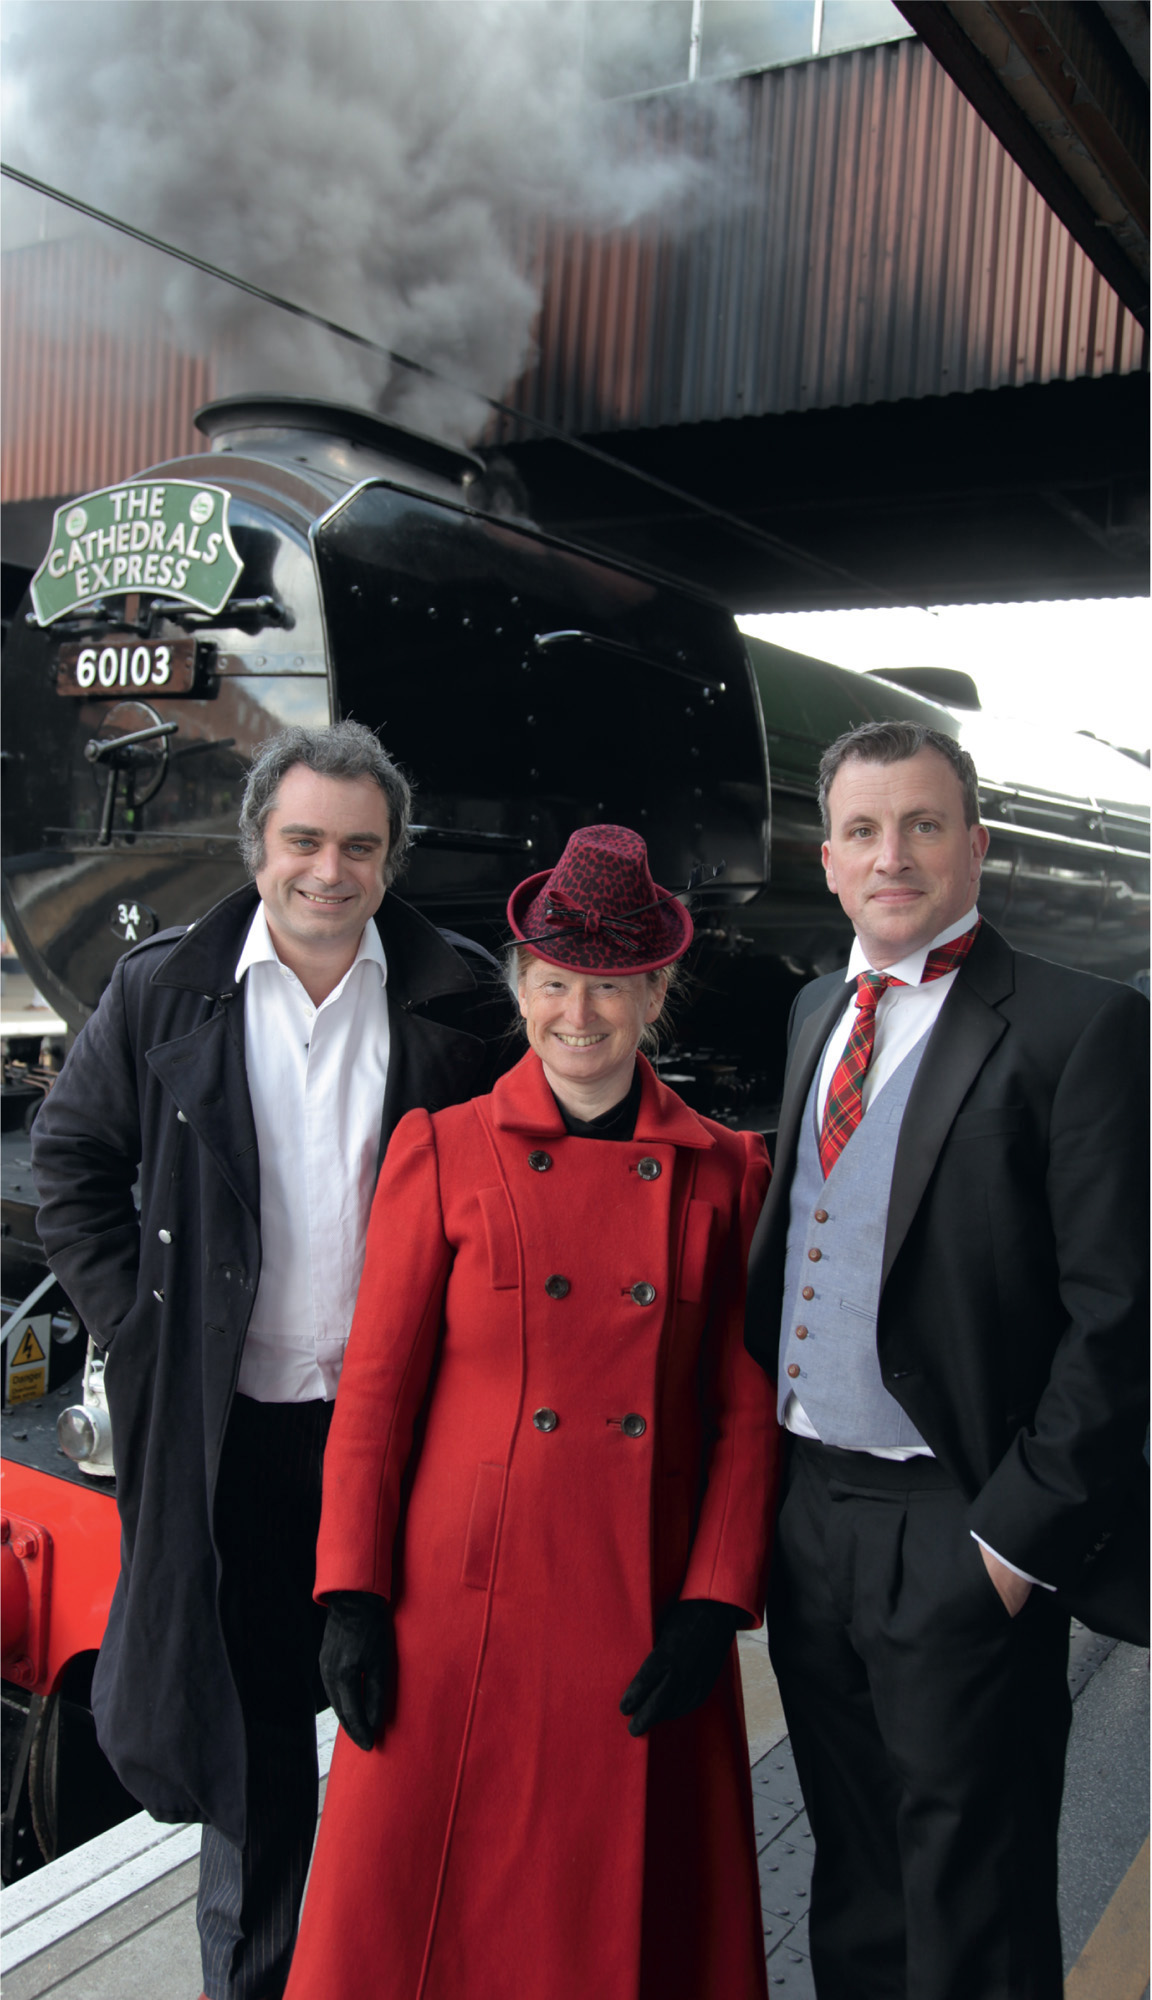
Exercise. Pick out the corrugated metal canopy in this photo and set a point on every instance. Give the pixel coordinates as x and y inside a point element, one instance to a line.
<point>874,241</point>
<point>1065,88</point>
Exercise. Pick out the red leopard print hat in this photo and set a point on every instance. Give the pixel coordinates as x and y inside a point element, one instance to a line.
<point>599,910</point>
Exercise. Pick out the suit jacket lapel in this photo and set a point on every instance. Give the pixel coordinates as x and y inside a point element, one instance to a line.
<point>766,1258</point>
<point>959,1045</point>
<point>801,1069</point>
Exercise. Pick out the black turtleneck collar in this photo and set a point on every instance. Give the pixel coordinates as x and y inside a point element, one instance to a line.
<point>617,1123</point>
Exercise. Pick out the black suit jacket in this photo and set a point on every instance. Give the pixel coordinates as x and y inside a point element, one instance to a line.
<point>1013,1317</point>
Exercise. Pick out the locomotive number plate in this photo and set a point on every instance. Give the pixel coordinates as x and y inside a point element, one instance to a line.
<point>123,664</point>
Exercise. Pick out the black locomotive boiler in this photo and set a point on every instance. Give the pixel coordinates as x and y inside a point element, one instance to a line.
<point>315,562</point>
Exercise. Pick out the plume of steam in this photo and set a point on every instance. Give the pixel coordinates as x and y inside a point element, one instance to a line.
<point>379,161</point>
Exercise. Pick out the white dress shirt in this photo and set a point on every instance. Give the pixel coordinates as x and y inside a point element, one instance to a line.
<point>316,1077</point>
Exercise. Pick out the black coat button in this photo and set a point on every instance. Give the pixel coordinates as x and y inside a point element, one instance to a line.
<point>633,1426</point>
<point>557,1287</point>
<point>649,1170</point>
<point>643,1294</point>
<point>540,1162</point>
<point>545,1420</point>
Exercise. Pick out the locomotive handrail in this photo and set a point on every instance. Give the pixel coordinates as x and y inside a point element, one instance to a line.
<point>544,642</point>
<point>471,840</point>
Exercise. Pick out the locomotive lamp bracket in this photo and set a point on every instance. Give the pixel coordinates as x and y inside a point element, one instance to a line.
<point>249,614</point>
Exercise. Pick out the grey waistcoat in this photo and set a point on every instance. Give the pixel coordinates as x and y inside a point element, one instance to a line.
<point>835,1372</point>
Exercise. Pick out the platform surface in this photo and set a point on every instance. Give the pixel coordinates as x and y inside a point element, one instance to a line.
<point>116,1920</point>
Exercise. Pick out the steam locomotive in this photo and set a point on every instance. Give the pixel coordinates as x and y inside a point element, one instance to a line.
<point>316,562</point>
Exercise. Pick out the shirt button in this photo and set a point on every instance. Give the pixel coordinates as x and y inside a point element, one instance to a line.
<point>793,1369</point>
<point>180,1118</point>
<point>643,1294</point>
<point>801,1333</point>
<point>649,1170</point>
<point>159,1298</point>
<point>814,1256</point>
<point>540,1162</point>
<point>165,1235</point>
<point>821,1214</point>
<point>545,1420</point>
<point>807,1293</point>
<point>633,1426</point>
<point>557,1287</point>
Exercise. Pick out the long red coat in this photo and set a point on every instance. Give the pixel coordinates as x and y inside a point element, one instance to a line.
<point>507,1839</point>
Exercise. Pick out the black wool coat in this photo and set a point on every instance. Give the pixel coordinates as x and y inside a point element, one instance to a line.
<point>156,1082</point>
<point>1013,1316</point>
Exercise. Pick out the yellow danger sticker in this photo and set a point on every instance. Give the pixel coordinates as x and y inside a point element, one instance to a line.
<point>27,1386</point>
<point>29,1350</point>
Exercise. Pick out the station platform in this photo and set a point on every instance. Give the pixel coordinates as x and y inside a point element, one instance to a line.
<point>115,1920</point>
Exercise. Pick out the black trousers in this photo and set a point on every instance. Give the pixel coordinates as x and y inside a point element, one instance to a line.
<point>929,1730</point>
<point>267,1519</point>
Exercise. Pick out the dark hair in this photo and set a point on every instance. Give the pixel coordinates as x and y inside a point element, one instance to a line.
<point>893,743</point>
<point>518,957</point>
<point>342,750</point>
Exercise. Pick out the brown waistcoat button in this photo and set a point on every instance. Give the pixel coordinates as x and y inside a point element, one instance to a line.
<point>801,1333</point>
<point>793,1369</point>
<point>821,1215</point>
<point>808,1293</point>
<point>814,1256</point>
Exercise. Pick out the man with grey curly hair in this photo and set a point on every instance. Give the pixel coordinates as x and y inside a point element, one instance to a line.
<point>252,1068</point>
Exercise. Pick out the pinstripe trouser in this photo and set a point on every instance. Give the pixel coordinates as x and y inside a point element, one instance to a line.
<point>267,1517</point>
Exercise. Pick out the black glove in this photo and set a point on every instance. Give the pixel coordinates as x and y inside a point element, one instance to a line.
<point>681,1668</point>
<point>358,1662</point>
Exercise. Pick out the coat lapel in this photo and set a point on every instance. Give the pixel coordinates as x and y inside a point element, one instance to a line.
<point>959,1045</point>
<point>204,1074</point>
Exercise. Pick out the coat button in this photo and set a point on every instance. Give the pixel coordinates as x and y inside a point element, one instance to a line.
<point>545,1420</point>
<point>649,1170</point>
<point>557,1287</point>
<point>801,1333</point>
<point>793,1369</point>
<point>814,1256</point>
<point>807,1293</point>
<point>633,1426</point>
<point>821,1214</point>
<point>540,1162</point>
<point>643,1294</point>
<point>165,1235</point>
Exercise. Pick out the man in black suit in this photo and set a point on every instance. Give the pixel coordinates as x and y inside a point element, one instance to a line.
<point>949,1282</point>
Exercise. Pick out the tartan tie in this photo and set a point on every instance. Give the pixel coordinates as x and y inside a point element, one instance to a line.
<point>844,1105</point>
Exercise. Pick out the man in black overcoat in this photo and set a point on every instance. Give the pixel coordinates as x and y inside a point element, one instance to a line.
<point>252,1069</point>
<point>949,1284</point>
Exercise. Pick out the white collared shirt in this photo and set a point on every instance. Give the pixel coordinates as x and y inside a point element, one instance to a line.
<point>904,1014</point>
<point>316,1078</point>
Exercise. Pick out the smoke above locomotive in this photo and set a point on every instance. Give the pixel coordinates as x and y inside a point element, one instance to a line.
<point>384,164</point>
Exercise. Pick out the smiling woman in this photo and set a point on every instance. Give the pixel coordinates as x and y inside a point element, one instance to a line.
<point>569,1529</point>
